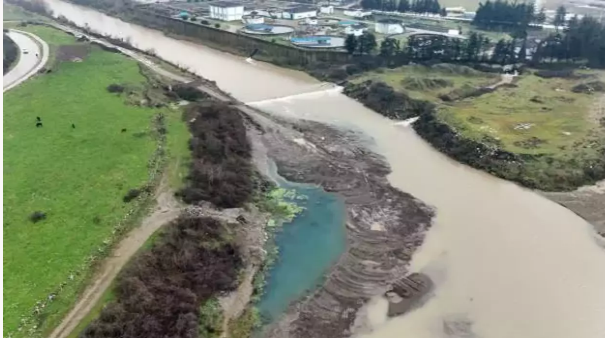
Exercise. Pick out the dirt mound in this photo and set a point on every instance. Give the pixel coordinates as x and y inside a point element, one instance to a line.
<point>589,87</point>
<point>419,83</point>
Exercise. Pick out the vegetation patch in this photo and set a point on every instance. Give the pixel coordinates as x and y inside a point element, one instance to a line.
<point>382,98</point>
<point>220,171</point>
<point>162,292</point>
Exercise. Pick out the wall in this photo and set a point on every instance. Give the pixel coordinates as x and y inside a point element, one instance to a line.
<point>237,43</point>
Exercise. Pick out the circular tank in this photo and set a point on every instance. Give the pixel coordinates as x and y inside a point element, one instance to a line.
<point>319,41</point>
<point>265,29</point>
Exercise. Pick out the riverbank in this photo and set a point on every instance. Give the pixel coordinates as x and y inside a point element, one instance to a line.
<point>543,134</point>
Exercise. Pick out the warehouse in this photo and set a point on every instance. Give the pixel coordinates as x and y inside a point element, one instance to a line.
<point>300,12</point>
<point>226,11</point>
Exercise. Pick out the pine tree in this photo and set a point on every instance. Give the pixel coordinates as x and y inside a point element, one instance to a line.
<point>522,55</point>
<point>351,43</point>
<point>366,43</point>
<point>403,6</point>
<point>541,16</point>
<point>389,47</point>
<point>560,17</point>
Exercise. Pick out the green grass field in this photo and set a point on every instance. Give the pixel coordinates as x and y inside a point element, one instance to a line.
<point>76,176</point>
<point>547,108</point>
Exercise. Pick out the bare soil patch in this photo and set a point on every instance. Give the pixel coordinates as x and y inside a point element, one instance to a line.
<point>72,53</point>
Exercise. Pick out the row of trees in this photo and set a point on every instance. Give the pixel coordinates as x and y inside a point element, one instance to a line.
<point>501,14</point>
<point>416,6</point>
<point>364,44</point>
<point>582,40</point>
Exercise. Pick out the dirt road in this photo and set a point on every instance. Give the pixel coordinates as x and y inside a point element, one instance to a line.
<point>166,210</point>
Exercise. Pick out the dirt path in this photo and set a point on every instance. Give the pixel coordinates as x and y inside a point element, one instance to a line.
<point>166,210</point>
<point>504,79</point>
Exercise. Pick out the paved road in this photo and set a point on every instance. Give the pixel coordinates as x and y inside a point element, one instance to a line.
<point>28,64</point>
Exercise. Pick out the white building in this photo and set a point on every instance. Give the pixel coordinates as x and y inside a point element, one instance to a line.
<point>389,26</point>
<point>326,9</point>
<point>300,12</point>
<point>226,11</point>
<point>357,12</point>
<point>356,30</point>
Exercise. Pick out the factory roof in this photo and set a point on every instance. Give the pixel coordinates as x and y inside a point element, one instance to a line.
<point>225,4</point>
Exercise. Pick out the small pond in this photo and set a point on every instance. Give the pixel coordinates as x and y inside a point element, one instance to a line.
<point>308,246</point>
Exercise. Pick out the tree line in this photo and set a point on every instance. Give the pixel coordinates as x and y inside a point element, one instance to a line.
<point>583,40</point>
<point>504,15</point>
<point>10,52</point>
<point>415,6</point>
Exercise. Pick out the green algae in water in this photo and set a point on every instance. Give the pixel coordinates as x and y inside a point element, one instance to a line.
<point>307,246</point>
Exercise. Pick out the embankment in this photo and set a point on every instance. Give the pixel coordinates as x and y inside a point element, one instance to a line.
<point>560,175</point>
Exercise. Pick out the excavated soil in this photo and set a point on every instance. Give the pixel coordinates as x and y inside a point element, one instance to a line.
<point>384,225</point>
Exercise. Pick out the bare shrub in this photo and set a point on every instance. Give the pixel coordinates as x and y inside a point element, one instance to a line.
<point>160,292</point>
<point>37,216</point>
<point>131,194</point>
<point>220,171</point>
<point>115,88</point>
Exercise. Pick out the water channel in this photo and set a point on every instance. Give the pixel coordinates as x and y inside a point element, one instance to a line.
<point>505,259</point>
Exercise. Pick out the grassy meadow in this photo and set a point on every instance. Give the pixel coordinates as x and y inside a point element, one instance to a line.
<point>538,116</point>
<point>76,176</point>
<point>427,83</point>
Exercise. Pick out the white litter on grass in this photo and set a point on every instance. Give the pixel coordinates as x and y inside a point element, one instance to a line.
<point>523,126</point>
<point>566,133</point>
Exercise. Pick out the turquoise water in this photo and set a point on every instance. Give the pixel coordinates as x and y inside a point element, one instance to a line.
<point>308,246</point>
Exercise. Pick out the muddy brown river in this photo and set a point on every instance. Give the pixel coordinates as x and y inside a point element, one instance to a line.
<point>506,262</point>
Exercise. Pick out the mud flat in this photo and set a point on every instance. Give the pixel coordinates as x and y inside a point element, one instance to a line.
<point>587,202</point>
<point>384,225</point>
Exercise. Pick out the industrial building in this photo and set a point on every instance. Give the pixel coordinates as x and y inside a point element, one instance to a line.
<point>357,12</point>
<point>389,26</point>
<point>299,12</point>
<point>226,11</point>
